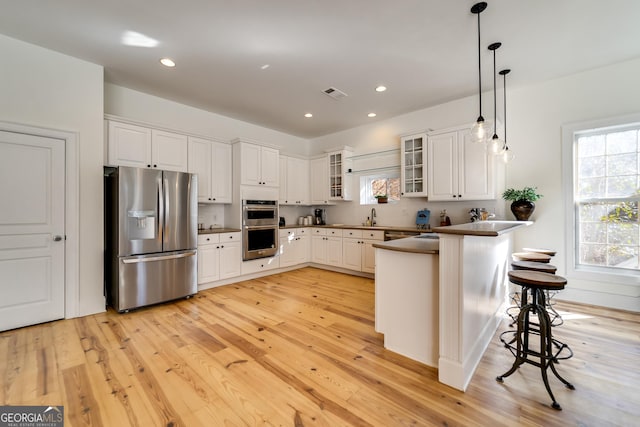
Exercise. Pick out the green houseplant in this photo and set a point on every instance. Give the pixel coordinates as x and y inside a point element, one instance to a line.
<point>522,204</point>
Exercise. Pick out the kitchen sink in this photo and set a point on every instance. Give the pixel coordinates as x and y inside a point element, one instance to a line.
<point>428,236</point>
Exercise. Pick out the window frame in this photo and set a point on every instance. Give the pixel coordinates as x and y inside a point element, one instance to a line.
<point>365,185</point>
<point>569,178</point>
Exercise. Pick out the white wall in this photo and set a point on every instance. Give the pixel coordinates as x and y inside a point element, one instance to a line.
<point>130,104</point>
<point>43,88</point>
<point>535,116</point>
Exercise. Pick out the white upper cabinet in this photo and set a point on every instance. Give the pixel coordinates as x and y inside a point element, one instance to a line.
<point>458,169</point>
<point>339,175</point>
<point>319,177</point>
<point>259,165</point>
<point>169,151</point>
<point>138,146</point>
<point>221,172</point>
<point>413,152</point>
<point>129,145</point>
<point>294,181</point>
<point>212,162</point>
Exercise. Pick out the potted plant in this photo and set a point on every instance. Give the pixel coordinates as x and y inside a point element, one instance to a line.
<point>382,198</point>
<point>522,204</point>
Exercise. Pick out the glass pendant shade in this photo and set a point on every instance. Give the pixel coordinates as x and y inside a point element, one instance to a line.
<point>479,131</point>
<point>496,145</point>
<point>507,156</point>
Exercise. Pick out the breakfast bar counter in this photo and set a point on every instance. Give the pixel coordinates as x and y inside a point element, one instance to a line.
<point>443,307</point>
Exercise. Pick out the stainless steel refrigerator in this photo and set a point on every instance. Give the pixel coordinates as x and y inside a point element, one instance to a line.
<point>151,236</point>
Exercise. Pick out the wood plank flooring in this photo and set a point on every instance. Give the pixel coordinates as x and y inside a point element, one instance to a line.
<point>299,349</point>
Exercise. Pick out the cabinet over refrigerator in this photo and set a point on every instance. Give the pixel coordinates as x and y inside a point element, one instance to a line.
<point>150,236</point>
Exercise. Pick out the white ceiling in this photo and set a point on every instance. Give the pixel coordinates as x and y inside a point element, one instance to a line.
<point>424,51</point>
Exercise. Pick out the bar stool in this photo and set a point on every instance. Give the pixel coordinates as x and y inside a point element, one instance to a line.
<point>549,252</point>
<point>536,282</point>
<point>513,310</point>
<point>531,256</point>
<point>534,265</point>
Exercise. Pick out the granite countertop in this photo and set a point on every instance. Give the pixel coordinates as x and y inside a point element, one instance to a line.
<point>483,228</point>
<point>362,227</point>
<point>416,245</point>
<point>218,230</point>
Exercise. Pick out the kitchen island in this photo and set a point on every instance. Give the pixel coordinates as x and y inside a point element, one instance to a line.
<point>454,310</point>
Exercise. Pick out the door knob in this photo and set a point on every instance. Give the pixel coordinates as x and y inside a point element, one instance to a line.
<point>57,238</point>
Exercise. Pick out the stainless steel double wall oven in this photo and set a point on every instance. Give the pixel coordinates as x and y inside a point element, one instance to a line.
<point>259,228</point>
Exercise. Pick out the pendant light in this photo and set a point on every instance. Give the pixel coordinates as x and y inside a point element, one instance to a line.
<point>479,130</point>
<point>506,156</point>
<point>496,145</point>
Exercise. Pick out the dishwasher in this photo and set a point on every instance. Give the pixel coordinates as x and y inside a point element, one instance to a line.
<point>395,235</point>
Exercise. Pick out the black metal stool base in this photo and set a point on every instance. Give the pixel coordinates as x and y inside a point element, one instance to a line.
<point>546,356</point>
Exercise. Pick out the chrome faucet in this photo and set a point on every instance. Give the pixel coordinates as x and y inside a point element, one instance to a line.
<point>373,216</point>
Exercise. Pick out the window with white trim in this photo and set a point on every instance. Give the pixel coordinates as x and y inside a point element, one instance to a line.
<point>606,187</point>
<point>379,185</point>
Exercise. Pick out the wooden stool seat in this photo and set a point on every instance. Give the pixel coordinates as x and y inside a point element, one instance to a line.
<point>531,256</point>
<point>537,280</point>
<point>535,266</point>
<point>549,252</point>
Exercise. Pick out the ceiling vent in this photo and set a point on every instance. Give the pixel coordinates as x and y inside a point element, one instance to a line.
<point>334,93</point>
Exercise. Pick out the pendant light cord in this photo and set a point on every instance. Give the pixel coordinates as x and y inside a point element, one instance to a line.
<point>504,92</point>
<point>495,108</point>
<point>479,68</point>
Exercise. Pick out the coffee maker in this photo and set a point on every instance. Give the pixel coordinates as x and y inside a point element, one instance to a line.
<point>320,217</point>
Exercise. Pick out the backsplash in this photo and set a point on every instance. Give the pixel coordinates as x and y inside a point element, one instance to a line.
<point>211,215</point>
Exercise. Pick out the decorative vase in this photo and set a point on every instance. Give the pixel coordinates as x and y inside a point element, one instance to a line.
<point>522,209</point>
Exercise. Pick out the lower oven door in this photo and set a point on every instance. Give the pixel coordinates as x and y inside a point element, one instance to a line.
<point>259,241</point>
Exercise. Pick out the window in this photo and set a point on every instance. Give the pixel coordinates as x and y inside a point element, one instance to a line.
<point>379,185</point>
<point>606,192</point>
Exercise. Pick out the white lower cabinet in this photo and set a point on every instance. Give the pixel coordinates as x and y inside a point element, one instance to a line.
<point>357,249</point>
<point>294,246</point>
<point>219,256</point>
<point>326,246</point>
<point>260,264</point>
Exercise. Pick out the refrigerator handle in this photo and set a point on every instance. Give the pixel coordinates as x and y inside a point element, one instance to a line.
<point>158,258</point>
<point>161,211</point>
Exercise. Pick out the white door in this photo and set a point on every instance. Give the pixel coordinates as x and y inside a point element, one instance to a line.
<point>32,246</point>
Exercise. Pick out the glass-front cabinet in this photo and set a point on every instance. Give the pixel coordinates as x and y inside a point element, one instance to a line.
<point>413,157</point>
<point>339,175</point>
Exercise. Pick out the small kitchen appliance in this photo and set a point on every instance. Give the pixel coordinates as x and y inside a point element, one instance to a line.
<point>320,217</point>
<point>422,219</point>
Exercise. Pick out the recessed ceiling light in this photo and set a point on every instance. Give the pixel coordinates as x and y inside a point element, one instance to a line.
<point>265,66</point>
<point>167,62</point>
<point>371,114</point>
<point>308,115</point>
<point>381,88</point>
<point>132,38</point>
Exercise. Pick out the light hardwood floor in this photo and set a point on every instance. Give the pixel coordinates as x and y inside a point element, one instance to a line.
<point>299,349</point>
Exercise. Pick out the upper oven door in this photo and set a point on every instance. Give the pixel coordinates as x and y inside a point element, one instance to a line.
<point>260,214</point>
